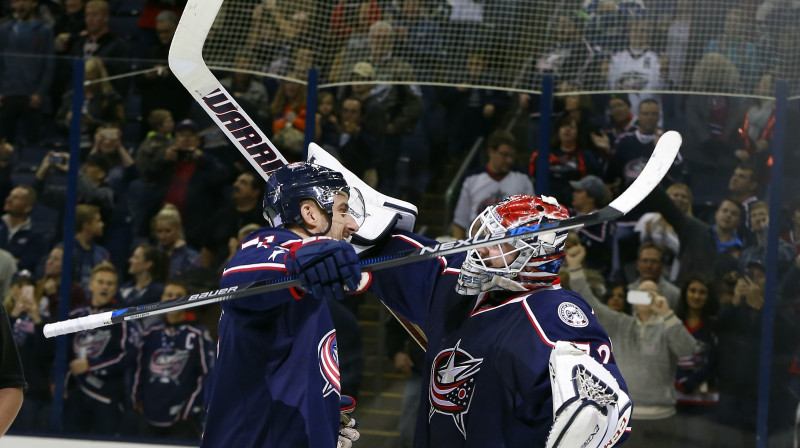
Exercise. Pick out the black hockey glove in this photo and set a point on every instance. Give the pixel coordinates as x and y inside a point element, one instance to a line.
<point>325,267</point>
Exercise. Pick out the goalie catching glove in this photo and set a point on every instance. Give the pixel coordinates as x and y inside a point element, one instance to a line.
<point>348,432</point>
<point>325,267</point>
<point>590,409</point>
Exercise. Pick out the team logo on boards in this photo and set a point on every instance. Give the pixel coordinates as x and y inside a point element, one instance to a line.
<point>453,384</point>
<point>571,315</point>
<point>166,365</point>
<point>329,364</point>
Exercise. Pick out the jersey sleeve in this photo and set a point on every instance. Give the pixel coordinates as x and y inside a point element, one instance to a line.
<point>410,289</point>
<point>261,256</point>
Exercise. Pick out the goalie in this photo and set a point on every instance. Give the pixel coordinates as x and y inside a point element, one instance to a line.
<point>512,359</point>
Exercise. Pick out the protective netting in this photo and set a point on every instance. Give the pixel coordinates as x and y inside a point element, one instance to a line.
<point>719,46</point>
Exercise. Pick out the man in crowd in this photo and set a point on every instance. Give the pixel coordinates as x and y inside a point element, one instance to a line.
<point>650,266</point>
<point>17,234</point>
<point>494,182</point>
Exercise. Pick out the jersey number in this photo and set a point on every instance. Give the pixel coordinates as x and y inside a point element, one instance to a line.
<point>604,351</point>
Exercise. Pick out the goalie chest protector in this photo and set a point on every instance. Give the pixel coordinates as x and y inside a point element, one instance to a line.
<point>489,384</point>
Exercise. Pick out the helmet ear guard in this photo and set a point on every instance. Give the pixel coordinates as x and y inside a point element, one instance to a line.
<point>535,261</point>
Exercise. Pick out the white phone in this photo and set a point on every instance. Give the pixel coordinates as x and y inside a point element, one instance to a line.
<point>27,291</point>
<point>640,298</point>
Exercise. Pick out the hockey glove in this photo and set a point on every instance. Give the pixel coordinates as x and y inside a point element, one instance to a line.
<point>348,432</point>
<point>324,267</point>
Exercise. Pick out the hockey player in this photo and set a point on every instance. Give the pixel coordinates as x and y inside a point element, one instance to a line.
<point>173,361</point>
<point>276,379</point>
<point>99,359</point>
<point>512,359</point>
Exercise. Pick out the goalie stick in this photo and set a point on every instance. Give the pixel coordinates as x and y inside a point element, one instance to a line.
<point>655,170</point>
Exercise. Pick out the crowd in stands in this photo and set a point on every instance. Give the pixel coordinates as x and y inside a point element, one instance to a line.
<point>164,199</point>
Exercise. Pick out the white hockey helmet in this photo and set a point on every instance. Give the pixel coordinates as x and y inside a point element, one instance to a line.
<point>527,263</point>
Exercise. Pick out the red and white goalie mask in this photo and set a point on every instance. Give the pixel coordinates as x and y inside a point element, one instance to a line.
<point>525,264</point>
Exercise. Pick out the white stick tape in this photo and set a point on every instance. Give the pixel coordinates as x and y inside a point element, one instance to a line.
<point>79,324</point>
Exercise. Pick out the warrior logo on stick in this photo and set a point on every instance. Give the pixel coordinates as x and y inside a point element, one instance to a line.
<point>452,384</point>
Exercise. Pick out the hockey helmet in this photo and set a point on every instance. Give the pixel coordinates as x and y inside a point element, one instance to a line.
<point>525,264</point>
<point>289,185</point>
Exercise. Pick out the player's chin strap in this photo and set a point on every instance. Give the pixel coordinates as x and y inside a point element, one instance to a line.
<point>590,410</point>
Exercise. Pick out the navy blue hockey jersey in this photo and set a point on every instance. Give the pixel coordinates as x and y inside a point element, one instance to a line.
<point>276,379</point>
<point>171,367</point>
<point>110,352</point>
<point>487,380</point>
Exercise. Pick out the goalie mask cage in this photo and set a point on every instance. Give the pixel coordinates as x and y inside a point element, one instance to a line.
<point>710,47</point>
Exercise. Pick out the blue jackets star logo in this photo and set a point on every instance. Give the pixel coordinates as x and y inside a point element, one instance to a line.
<point>452,384</point>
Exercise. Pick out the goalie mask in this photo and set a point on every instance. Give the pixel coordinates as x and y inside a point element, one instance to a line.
<point>525,264</point>
<point>288,186</point>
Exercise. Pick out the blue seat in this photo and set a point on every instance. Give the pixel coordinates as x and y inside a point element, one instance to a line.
<point>126,26</point>
<point>133,7</point>
<point>23,178</point>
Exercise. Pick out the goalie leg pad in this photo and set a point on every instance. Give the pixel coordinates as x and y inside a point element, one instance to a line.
<point>590,410</point>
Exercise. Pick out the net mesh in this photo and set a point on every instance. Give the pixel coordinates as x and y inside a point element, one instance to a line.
<point>593,388</point>
<point>710,46</point>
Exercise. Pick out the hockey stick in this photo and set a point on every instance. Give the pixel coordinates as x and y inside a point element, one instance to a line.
<point>655,170</point>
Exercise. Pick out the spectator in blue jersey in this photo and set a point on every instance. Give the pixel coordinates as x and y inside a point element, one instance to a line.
<point>87,253</point>
<point>184,261</point>
<point>17,233</point>
<point>36,351</point>
<point>99,359</point>
<point>569,161</point>
<point>492,183</point>
<point>588,195</point>
<point>25,79</point>
<point>173,361</point>
<point>148,267</point>
<point>622,121</point>
<point>695,380</point>
<point>288,395</point>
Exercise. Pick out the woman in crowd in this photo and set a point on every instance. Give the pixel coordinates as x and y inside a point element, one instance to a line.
<point>695,380</point>
<point>36,352</point>
<point>101,104</point>
<point>147,265</point>
<point>183,260</point>
<point>50,286</point>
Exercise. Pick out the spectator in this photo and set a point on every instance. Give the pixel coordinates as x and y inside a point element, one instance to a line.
<point>25,80</point>
<point>50,285</point>
<point>289,119</point>
<point>149,29</point>
<point>244,207</point>
<point>91,182</point>
<point>99,41</point>
<point>8,268</point>
<point>287,29</point>
<point>646,347</point>
<point>653,227</point>
<point>758,130</point>
<point>757,252</point>
<point>617,298</point>
<point>588,195</point>
<point>152,150</point>
<point>735,48</point>
<point>632,150</point>
<point>189,178</point>
<point>695,380</point>
<point>102,104</point>
<point>495,182</point>
<point>350,17</point>
<point>742,188</point>
<point>636,69</point>
<point>183,260</point>
<point>356,47</point>
<point>471,112</point>
<point>622,122</point>
<point>358,149</point>
<point>36,352</point>
<point>174,359</point>
<point>792,236</point>
<point>87,253</point>
<point>12,381</point>
<point>17,232</point>
<point>568,161</point>
<point>419,40</point>
<point>327,131</point>
<point>148,267</point>
<point>650,266</point>
<point>248,91</point>
<point>713,120</point>
<point>609,19</point>
<point>70,22</point>
<point>98,361</point>
<point>160,88</point>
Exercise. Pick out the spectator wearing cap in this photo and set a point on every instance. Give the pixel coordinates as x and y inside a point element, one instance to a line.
<point>17,232</point>
<point>187,177</point>
<point>36,352</point>
<point>590,194</point>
